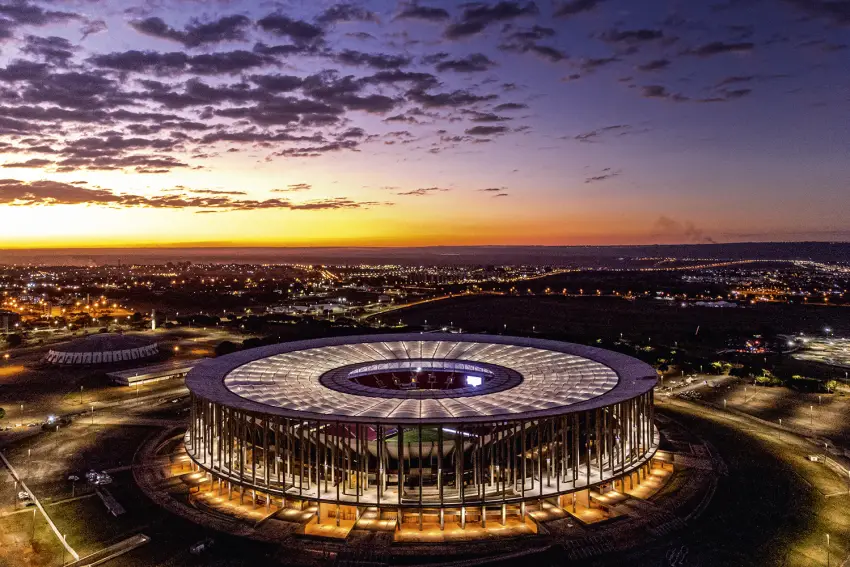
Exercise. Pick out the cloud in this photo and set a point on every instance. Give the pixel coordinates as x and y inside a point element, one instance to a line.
<point>182,189</point>
<point>476,17</point>
<point>486,130</point>
<point>534,33</point>
<point>48,193</point>
<point>719,47</point>
<point>376,61</point>
<point>736,93</point>
<point>591,64</point>
<point>606,174</point>
<point>23,13</point>
<point>54,50</point>
<point>227,28</point>
<point>361,35</point>
<point>218,63</point>
<point>421,81</point>
<point>456,98</point>
<point>423,191</point>
<point>592,136</point>
<point>418,12</point>
<point>632,36</point>
<point>354,132</point>
<point>229,62</point>
<point>545,51</point>
<point>278,83</point>
<point>495,191</point>
<point>574,7</point>
<point>474,63</point>
<point>316,151</point>
<point>293,188</point>
<point>297,30</point>
<point>739,79</point>
<point>34,163</point>
<point>346,13</point>
<point>510,106</point>
<point>526,41</point>
<point>668,227</point>
<point>735,79</point>
<point>838,11</point>
<point>661,92</point>
<point>486,116</point>
<point>92,27</point>
<point>654,65</point>
<point>14,192</point>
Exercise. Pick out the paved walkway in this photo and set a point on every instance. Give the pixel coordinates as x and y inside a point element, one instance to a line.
<point>35,500</point>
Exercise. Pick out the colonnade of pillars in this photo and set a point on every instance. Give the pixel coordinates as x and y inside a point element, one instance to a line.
<point>420,466</point>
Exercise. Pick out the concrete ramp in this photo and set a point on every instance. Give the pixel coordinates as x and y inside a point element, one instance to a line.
<point>115,508</point>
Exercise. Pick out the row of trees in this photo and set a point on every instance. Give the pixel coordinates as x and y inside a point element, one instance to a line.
<point>797,382</point>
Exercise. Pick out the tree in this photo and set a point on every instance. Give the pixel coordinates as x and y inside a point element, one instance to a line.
<point>831,386</point>
<point>768,379</point>
<point>225,347</point>
<point>2,413</point>
<point>14,340</point>
<point>717,366</point>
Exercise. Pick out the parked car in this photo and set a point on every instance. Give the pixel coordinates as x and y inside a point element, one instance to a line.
<point>98,478</point>
<point>202,546</point>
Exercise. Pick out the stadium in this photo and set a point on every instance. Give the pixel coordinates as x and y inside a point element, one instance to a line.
<point>103,348</point>
<point>422,429</point>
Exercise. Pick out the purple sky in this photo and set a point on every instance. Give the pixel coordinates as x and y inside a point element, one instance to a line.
<point>569,122</point>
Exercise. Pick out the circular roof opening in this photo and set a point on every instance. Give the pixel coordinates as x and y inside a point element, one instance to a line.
<point>420,378</point>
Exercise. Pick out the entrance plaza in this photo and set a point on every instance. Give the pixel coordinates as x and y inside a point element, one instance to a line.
<point>426,525</point>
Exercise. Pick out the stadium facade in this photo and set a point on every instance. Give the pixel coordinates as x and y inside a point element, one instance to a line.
<point>431,428</point>
<point>103,348</point>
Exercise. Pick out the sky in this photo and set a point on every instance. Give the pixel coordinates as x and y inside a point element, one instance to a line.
<point>375,123</point>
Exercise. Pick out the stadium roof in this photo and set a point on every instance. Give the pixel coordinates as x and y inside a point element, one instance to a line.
<point>533,378</point>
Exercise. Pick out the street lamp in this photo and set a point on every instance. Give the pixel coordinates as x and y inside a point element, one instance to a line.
<point>827,550</point>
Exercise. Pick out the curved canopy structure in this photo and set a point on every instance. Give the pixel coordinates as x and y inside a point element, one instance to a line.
<point>103,348</point>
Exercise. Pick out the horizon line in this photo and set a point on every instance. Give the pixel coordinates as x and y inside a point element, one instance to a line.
<point>221,246</point>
